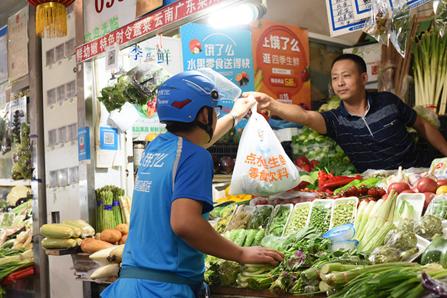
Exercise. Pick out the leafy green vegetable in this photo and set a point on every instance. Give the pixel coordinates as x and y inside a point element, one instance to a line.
<point>384,254</point>
<point>402,240</point>
<point>279,220</point>
<point>429,226</point>
<point>260,217</point>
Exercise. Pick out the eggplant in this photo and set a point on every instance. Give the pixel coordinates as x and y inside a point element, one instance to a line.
<point>434,286</point>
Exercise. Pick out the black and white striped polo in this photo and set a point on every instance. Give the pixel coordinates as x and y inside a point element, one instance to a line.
<point>379,139</point>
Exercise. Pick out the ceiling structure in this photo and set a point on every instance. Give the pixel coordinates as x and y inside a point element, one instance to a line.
<point>309,14</point>
<point>9,7</point>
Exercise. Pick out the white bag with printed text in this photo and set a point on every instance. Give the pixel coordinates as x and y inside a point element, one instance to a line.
<point>262,166</point>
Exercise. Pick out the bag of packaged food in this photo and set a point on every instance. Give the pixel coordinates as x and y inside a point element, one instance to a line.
<point>262,166</point>
<point>378,24</point>
<point>400,26</point>
<point>440,11</point>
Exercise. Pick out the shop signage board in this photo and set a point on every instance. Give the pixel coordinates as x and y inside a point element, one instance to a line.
<point>342,17</point>
<point>3,54</point>
<point>101,18</point>
<point>150,23</point>
<point>362,8</point>
<point>165,51</point>
<point>104,16</point>
<point>281,60</point>
<point>84,143</point>
<point>18,44</point>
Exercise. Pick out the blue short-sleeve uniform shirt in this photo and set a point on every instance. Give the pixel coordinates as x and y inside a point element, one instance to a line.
<point>379,139</point>
<point>170,168</point>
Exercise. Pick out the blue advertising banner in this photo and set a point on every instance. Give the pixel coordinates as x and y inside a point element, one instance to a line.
<point>227,51</point>
<point>84,143</point>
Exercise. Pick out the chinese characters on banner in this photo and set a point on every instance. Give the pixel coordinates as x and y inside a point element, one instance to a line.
<point>226,51</point>
<point>281,58</point>
<point>267,170</point>
<point>154,21</point>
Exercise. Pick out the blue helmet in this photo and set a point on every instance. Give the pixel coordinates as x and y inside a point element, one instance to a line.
<point>181,97</point>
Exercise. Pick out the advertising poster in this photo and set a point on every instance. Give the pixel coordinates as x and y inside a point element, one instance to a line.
<point>281,62</point>
<point>84,143</point>
<point>226,51</point>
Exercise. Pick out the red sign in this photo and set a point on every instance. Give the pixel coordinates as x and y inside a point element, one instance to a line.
<point>150,23</point>
<point>281,62</point>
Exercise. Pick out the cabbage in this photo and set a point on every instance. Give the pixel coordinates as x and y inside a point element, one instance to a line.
<point>402,240</point>
<point>429,226</point>
<point>384,254</point>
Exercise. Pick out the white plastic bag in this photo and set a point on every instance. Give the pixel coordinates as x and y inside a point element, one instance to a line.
<point>262,166</point>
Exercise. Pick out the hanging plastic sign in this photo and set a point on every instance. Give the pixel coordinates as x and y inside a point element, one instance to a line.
<point>342,17</point>
<point>281,55</point>
<point>362,8</point>
<point>148,24</point>
<point>84,143</point>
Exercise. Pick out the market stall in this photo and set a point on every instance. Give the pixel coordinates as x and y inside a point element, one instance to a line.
<point>342,233</point>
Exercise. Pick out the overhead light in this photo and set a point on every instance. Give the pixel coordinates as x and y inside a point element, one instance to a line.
<point>237,15</point>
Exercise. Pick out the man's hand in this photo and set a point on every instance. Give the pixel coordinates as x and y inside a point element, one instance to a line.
<point>264,101</point>
<point>260,255</point>
<point>289,112</point>
<point>242,106</point>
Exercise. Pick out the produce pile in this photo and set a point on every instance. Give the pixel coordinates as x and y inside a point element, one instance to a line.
<point>16,231</point>
<point>348,244</point>
<point>322,149</point>
<point>113,207</point>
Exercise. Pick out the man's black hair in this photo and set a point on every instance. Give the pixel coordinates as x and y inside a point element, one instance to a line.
<point>361,65</point>
<point>176,127</point>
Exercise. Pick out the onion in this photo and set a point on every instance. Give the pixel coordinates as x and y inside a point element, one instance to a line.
<point>408,191</point>
<point>398,187</point>
<point>426,184</point>
<point>442,182</point>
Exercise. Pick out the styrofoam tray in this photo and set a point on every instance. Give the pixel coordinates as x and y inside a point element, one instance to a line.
<point>341,201</point>
<point>415,199</point>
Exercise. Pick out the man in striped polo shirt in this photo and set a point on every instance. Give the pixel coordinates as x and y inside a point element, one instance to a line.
<point>369,127</point>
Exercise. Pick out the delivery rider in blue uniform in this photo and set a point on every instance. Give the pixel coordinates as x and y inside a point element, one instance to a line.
<point>169,232</point>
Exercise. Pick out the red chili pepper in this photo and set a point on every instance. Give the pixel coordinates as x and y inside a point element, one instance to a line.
<point>337,182</point>
<point>19,274</point>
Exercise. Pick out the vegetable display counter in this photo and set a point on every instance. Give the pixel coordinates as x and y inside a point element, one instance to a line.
<point>223,292</point>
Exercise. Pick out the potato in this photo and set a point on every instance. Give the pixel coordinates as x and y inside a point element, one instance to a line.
<point>111,235</point>
<point>123,228</point>
<point>123,239</point>
<point>91,245</point>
